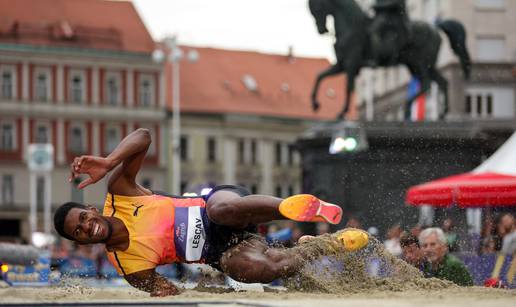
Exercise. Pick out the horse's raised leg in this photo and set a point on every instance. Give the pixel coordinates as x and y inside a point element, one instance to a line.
<point>443,88</point>
<point>333,70</point>
<point>350,87</point>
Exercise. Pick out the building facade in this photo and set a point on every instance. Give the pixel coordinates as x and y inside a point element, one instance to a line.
<point>242,113</point>
<point>491,41</point>
<point>80,83</point>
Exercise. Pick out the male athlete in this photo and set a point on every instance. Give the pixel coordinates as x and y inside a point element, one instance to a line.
<point>143,229</point>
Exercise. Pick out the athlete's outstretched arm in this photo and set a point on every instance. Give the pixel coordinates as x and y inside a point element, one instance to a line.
<point>129,154</point>
<point>152,282</point>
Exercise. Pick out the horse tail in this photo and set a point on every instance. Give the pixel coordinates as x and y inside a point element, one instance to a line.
<point>457,37</point>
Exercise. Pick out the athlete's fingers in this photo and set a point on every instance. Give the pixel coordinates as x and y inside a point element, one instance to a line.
<point>85,183</point>
<point>73,171</point>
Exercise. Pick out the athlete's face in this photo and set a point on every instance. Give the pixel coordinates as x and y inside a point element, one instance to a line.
<point>87,226</point>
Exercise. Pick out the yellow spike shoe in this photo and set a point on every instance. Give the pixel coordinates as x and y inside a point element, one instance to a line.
<point>308,208</point>
<point>353,239</point>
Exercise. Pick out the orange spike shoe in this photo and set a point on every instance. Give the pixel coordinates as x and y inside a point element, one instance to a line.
<point>308,208</point>
<point>352,239</point>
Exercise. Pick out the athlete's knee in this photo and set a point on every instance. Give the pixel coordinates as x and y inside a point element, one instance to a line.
<point>257,271</point>
<point>222,212</point>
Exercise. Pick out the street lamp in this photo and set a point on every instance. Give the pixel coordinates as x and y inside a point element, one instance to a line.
<point>174,56</point>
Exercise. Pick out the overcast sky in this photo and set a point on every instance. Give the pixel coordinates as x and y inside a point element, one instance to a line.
<point>259,25</point>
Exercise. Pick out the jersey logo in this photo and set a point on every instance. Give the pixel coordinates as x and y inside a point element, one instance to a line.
<point>135,213</point>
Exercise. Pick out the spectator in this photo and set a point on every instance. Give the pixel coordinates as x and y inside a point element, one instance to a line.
<point>488,238</point>
<point>322,228</point>
<point>416,230</point>
<point>451,236</point>
<point>438,262</point>
<point>392,244</point>
<point>509,240</point>
<point>503,228</point>
<point>411,252</point>
<point>488,245</point>
<point>353,223</point>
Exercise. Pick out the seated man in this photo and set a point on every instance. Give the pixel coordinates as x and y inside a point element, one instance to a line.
<point>143,229</point>
<point>438,262</point>
<point>410,250</point>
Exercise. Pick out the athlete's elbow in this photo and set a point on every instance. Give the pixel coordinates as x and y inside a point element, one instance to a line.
<point>145,136</point>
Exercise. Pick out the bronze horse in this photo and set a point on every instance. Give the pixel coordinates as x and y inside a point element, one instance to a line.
<point>353,49</point>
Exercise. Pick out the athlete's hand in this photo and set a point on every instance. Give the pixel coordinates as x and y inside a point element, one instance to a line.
<point>95,167</point>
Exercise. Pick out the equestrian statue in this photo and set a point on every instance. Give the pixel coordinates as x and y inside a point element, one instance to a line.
<point>389,38</point>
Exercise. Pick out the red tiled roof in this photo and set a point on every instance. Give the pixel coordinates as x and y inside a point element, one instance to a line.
<point>98,24</point>
<point>213,84</point>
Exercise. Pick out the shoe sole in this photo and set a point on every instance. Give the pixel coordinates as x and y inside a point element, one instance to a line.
<point>308,208</point>
<point>353,239</point>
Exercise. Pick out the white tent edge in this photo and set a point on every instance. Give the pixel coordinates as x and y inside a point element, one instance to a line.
<point>503,161</point>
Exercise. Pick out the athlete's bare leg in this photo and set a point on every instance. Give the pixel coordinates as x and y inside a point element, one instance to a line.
<point>253,261</point>
<point>230,209</point>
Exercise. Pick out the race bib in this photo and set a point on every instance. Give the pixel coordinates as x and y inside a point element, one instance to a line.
<point>191,226</point>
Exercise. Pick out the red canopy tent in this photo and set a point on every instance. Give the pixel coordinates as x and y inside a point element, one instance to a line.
<point>493,183</point>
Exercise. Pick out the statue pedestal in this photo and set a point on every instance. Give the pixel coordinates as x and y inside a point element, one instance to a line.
<point>370,185</point>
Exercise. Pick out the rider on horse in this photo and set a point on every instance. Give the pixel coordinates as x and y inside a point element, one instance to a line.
<point>389,31</point>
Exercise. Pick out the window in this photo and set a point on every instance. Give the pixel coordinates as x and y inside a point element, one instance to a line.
<point>76,140</point>
<point>77,88</point>
<point>479,104</point>
<point>184,148</point>
<point>241,151</point>
<point>489,102</point>
<point>254,189</point>
<point>468,104</point>
<point>40,192</point>
<point>7,84</point>
<point>211,149</point>
<point>290,157</point>
<point>253,152</point>
<point>490,4</point>
<point>41,85</point>
<point>42,134</point>
<point>147,183</point>
<point>183,186</point>
<point>112,139</point>
<point>77,195</point>
<point>146,91</point>
<point>278,153</point>
<point>112,91</point>
<point>7,189</point>
<point>491,49</point>
<point>8,137</point>
<point>278,191</point>
<point>290,190</point>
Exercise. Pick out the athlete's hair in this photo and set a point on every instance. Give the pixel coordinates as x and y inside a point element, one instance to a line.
<point>60,216</point>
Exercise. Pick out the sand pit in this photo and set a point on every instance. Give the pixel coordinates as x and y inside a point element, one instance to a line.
<point>467,297</point>
<point>339,278</point>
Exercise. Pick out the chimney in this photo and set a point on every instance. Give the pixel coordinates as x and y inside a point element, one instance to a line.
<point>290,56</point>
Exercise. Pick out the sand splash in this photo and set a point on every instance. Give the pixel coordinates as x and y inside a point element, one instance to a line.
<point>340,271</point>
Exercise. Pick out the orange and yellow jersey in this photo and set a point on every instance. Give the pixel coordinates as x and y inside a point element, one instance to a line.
<point>162,229</point>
